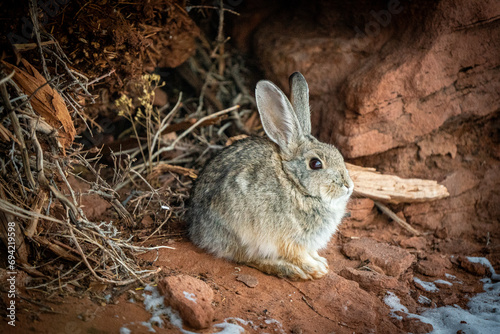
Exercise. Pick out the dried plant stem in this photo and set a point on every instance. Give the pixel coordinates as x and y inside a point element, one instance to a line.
<point>36,31</point>
<point>159,228</point>
<point>39,203</point>
<point>120,209</point>
<point>14,210</point>
<point>201,98</point>
<point>19,135</point>
<point>5,219</point>
<point>220,39</point>
<point>101,77</point>
<point>166,120</point>
<point>213,7</point>
<point>42,196</point>
<point>4,81</point>
<point>398,220</point>
<point>191,128</point>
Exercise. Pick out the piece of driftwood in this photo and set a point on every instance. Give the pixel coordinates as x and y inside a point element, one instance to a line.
<point>393,189</point>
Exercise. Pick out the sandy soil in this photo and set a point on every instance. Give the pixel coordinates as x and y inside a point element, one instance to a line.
<point>332,304</point>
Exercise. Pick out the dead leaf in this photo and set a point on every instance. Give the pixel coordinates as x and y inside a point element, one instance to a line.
<point>6,135</point>
<point>46,101</point>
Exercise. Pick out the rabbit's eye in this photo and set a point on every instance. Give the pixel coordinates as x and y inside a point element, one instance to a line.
<point>315,163</point>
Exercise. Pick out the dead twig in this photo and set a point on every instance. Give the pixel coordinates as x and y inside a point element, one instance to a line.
<point>19,135</point>
<point>216,8</point>
<point>101,77</point>
<point>120,209</point>
<point>4,80</point>
<point>191,128</point>
<point>397,219</point>
<point>58,250</point>
<point>36,31</point>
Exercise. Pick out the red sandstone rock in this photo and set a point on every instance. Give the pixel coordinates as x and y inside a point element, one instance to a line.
<point>361,209</point>
<point>352,306</point>
<point>418,243</point>
<point>434,265</point>
<point>472,267</point>
<point>413,325</point>
<point>460,181</point>
<point>392,260</point>
<point>439,144</point>
<point>191,297</point>
<point>249,280</point>
<point>372,281</point>
<point>395,94</point>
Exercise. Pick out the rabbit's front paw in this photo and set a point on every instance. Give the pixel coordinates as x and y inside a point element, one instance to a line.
<point>315,267</point>
<point>321,259</point>
<point>281,268</point>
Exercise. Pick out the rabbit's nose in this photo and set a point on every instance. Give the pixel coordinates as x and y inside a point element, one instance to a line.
<point>348,184</point>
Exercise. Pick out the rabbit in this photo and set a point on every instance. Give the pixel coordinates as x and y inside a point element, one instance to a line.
<point>272,203</point>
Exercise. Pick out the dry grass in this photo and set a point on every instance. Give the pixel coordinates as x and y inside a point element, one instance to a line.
<point>39,170</point>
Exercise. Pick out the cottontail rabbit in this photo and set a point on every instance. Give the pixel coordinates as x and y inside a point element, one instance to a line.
<point>273,203</point>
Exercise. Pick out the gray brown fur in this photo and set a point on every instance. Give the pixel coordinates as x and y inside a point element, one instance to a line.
<point>258,202</point>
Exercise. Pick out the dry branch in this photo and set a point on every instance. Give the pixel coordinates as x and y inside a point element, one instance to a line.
<point>393,189</point>
<point>187,124</point>
<point>163,168</point>
<point>57,249</point>
<point>397,219</point>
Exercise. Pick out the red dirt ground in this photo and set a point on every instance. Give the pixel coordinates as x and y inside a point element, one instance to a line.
<point>331,304</point>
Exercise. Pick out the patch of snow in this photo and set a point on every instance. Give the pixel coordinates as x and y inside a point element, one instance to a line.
<point>125,330</point>
<point>190,296</point>
<point>229,328</point>
<point>149,326</point>
<point>243,322</point>
<point>394,304</point>
<point>453,278</point>
<point>427,286</point>
<point>488,302</point>
<point>154,304</point>
<point>485,262</point>
<point>442,281</point>
<point>482,317</point>
<point>274,321</point>
<point>424,300</point>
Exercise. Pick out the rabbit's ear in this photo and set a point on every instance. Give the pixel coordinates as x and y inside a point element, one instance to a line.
<point>300,100</point>
<point>277,115</point>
